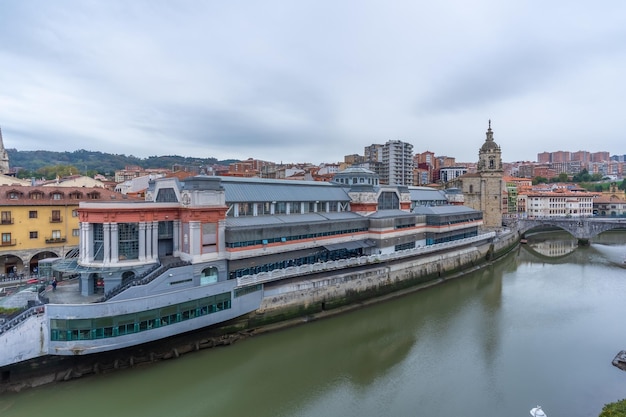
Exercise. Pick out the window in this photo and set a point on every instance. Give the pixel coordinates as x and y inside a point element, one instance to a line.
<point>74,213</point>
<point>32,214</point>
<point>128,240</point>
<point>6,217</point>
<point>34,235</point>
<point>56,216</point>
<point>75,232</point>
<point>6,238</point>
<point>13,195</point>
<point>209,275</point>
<point>56,196</point>
<point>56,234</point>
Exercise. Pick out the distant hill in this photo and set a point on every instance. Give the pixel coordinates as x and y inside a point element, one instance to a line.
<point>104,163</point>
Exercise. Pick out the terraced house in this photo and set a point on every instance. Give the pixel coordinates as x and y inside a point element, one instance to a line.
<point>41,222</point>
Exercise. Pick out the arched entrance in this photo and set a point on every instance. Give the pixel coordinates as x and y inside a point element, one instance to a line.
<point>11,266</point>
<point>33,265</point>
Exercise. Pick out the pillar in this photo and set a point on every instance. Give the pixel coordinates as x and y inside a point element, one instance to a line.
<point>106,244</point>
<point>142,241</point>
<point>115,243</point>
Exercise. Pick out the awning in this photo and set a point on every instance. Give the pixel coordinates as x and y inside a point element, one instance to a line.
<point>351,245</point>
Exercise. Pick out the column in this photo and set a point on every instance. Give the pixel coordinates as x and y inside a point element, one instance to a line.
<point>142,241</point>
<point>176,238</point>
<point>115,243</point>
<point>86,242</point>
<point>195,238</point>
<point>106,244</point>
<point>154,255</point>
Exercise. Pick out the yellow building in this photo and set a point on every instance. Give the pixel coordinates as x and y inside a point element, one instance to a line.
<point>41,222</point>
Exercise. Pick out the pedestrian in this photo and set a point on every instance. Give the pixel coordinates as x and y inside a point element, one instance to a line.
<point>54,284</point>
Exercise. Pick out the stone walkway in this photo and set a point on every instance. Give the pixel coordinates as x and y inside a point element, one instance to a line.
<point>68,292</point>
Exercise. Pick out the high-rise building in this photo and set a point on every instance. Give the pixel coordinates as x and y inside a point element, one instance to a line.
<point>544,157</point>
<point>397,163</point>
<point>600,157</point>
<point>560,156</point>
<point>582,156</point>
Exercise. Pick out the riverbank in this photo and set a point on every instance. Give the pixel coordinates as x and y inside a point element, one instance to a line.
<point>287,304</point>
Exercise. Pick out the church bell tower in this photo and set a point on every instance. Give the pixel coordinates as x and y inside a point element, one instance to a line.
<point>4,157</point>
<point>490,155</point>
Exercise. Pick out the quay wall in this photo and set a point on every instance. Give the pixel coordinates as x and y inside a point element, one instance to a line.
<point>324,292</point>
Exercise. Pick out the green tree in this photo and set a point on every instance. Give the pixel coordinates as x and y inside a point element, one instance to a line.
<point>540,180</point>
<point>563,177</point>
<point>622,186</point>
<point>616,409</point>
<point>584,176</point>
<point>51,172</point>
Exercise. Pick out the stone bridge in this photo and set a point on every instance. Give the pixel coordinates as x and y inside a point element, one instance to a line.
<point>582,228</point>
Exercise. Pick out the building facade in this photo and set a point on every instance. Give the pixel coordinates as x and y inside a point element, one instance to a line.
<point>41,222</point>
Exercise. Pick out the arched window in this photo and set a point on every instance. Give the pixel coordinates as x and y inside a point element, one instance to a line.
<point>128,275</point>
<point>209,275</point>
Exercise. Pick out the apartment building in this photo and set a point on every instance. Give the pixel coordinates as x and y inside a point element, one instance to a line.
<point>397,163</point>
<point>41,222</point>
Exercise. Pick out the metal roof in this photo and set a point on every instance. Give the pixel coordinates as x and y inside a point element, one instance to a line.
<point>290,219</point>
<point>243,190</point>
<point>426,194</point>
<point>382,214</point>
<point>449,209</point>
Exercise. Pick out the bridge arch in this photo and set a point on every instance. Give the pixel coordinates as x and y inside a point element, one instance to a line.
<point>582,229</point>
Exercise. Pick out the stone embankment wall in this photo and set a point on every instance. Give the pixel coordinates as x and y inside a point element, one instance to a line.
<point>324,292</point>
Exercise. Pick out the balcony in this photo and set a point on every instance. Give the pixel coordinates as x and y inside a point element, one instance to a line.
<point>56,240</point>
<point>6,221</point>
<point>11,242</point>
<point>56,219</point>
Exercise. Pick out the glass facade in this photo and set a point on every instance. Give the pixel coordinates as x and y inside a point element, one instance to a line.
<point>295,237</point>
<point>98,241</point>
<point>128,240</point>
<point>113,326</point>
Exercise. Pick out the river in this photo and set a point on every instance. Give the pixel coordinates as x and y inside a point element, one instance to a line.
<point>540,326</point>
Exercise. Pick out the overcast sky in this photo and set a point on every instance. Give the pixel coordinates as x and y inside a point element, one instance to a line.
<point>312,81</point>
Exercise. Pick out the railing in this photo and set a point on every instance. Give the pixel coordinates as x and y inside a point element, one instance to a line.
<point>56,219</point>
<point>6,221</point>
<point>11,242</point>
<point>38,308</point>
<point>142,279</point>
<point>294,271</point>
<point>56,240</point>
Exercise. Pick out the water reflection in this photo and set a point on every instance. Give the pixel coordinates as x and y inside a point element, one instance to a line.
<point>552,245</point>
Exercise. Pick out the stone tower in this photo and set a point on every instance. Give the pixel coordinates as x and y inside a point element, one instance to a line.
<point>4,157</point>
<point>484,190</point>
